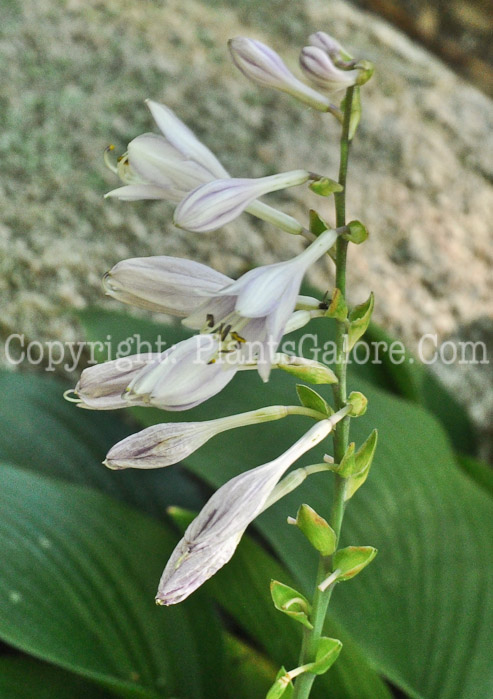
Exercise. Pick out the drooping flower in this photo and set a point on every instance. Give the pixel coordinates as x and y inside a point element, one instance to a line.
<point>179,378</point>
<point>166,444</point>
<point>177,286</point>
<point>211,539</point>
<point>319,68</point>
<point>171,165</point>
<point>217,203</point>
<point>265,67</point>
<point>167,284</point>
<point>249,316</point>
<point>182,377</point>
<point>168,166</point>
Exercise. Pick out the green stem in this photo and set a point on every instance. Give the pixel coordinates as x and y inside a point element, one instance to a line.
<point>341,434</point>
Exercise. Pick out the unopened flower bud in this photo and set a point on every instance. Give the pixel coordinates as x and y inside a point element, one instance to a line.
<point>265,67</point>
<point>328,44</point>
<point>219,202</point>
<point>319,68</point>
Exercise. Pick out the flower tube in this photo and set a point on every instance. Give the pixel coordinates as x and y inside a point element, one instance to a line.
<point>166,444</point>
<point>211,539</point>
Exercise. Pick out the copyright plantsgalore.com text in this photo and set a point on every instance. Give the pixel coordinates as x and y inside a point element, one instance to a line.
<point>71,356</point>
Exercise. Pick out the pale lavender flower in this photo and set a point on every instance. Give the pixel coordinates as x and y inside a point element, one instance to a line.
<point>101,386</point>
<point>172,165</point>
<point>166,444</point>
<point>217,203</point>
<point>166,284</point>
<point>182,377</point>
<point>265,67</point>
<point>319,68</point>
<point>251,314</point>
<point>211,539</point>
<point>168,166</point>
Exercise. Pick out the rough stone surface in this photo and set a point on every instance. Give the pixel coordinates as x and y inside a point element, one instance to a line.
<point>420,175</point>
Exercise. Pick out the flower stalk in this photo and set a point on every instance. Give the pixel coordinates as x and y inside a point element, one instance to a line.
<point>321,598</point>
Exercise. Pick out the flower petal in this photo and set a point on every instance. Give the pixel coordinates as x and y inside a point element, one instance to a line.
<point>184,140</point>
<point>100,387</point>
<point>134,192</point>
<point>182,377</point>
<point>161,283</point>
<point>159,163</point>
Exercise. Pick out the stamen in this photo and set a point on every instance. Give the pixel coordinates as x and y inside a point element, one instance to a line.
<point>240,340</point>
<point>107,161</point>
<point>210,320</point>
<point>225,332</point>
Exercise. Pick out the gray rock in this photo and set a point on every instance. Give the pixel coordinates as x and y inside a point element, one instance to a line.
<point>420,173</point>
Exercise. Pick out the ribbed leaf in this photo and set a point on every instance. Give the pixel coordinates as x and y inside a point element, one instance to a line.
<point>42,431</point>
<point>77,587</point>
<point>25,678</point>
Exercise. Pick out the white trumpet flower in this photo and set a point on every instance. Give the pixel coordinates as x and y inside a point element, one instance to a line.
<point>211,539</point>
<point>265,67</point>
<point>250,315</point>
<point>217,203</point>
<point>171,165</point>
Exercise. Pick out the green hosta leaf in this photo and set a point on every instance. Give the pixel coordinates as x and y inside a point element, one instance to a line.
<point>289,601</point>
<point>359,319</point>
<point>77,586</point>
<point>45,433</point>
<point>248,673</point>
<point>351,561</point>
<point>311,399</point>
<point>317,530</point>
<point>415,493</point>
<point>22,677</point>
